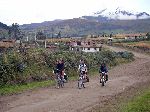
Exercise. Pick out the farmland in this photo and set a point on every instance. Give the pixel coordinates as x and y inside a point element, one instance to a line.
<point>143,46</point>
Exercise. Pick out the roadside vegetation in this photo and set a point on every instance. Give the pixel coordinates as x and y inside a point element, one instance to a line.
<point>134,99</point>
<point>140,103</point>
<point>33,68</point>
<point>17,88</point>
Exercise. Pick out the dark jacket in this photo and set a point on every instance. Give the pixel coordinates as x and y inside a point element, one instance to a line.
<point>103,69</point>
<point>60,66</point>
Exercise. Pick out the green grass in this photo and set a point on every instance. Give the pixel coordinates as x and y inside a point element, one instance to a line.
<point>11,89</point>
<point>147,42</point>
<point>139,104</point>
<point>131,42</point>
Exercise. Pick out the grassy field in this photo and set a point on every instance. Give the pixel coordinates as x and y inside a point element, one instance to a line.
<point>145,44</point>
<point>141,46</point>
<point>134,99</point>
<point>11,89</point>
<point>138,104</point>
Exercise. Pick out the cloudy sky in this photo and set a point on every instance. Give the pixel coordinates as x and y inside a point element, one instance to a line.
<point>34,11</point>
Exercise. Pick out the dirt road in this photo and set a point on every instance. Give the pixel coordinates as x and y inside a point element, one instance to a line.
<point>71,99</point>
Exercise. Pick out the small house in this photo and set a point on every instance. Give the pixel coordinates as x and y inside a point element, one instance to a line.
<point>85,46</point>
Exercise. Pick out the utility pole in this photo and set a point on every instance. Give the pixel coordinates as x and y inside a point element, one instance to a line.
<point>45,43</point>
<point>45,40</point>
<point>35,37</point>
<point>27,38</point>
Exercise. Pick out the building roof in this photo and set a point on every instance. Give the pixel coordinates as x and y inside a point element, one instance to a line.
<point>9,40</point>
<point>6,44</point>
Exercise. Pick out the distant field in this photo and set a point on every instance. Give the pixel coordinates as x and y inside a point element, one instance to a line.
<point>75,39</point>
<point>145,44</point>
<point>142,45</point>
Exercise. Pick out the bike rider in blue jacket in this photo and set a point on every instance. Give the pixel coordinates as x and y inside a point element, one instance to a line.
<point>59,70</point>
<point>103,68</point>
<point>60,66</point>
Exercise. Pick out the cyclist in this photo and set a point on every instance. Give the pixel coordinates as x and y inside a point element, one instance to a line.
<point>60,67</point>
<point>82,69</point>
<point>103,68</point>
<point>59,70</point>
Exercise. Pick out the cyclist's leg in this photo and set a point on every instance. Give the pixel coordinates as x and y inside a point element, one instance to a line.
<point>57,80</point>
<point>79,81</point>
<point>106,77</point>
<point>100,77</point>
<point>83,79</point>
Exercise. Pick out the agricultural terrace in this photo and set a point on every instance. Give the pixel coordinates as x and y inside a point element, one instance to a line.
<point>141,45</point>
<point>53,40</point>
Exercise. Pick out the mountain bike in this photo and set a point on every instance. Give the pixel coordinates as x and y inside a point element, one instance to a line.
<point>81,80</point>
<point>102,79</point>
<point>60,81</point>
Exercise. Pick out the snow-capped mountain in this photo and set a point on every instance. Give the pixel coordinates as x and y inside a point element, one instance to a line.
<point>121,14</point>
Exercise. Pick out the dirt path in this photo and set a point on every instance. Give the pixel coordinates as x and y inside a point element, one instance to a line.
<point>71,99</point>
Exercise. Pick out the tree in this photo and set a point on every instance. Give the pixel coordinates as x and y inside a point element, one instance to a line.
<point>52,30</point>
<point>14,32</point>
<point>40,35</point>
<point>59,34</point>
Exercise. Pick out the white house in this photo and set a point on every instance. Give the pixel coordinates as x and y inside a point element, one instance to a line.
<point>91,48</point>
<point>85,46</point>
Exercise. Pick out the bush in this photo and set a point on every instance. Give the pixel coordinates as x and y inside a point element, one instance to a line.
<point>126,55</point>
<point>37,64</point>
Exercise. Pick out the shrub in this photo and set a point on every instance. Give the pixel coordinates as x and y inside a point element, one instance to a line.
<point>37,64</point>
<point>126,55</point>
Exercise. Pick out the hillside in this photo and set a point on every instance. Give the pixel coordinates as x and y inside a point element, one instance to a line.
<point>3,30</point>
<point>117,21</point>
<point>4,26</point>
<point>79,26</point>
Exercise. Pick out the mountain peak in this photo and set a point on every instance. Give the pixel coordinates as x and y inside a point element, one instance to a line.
<point>100,12</point>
